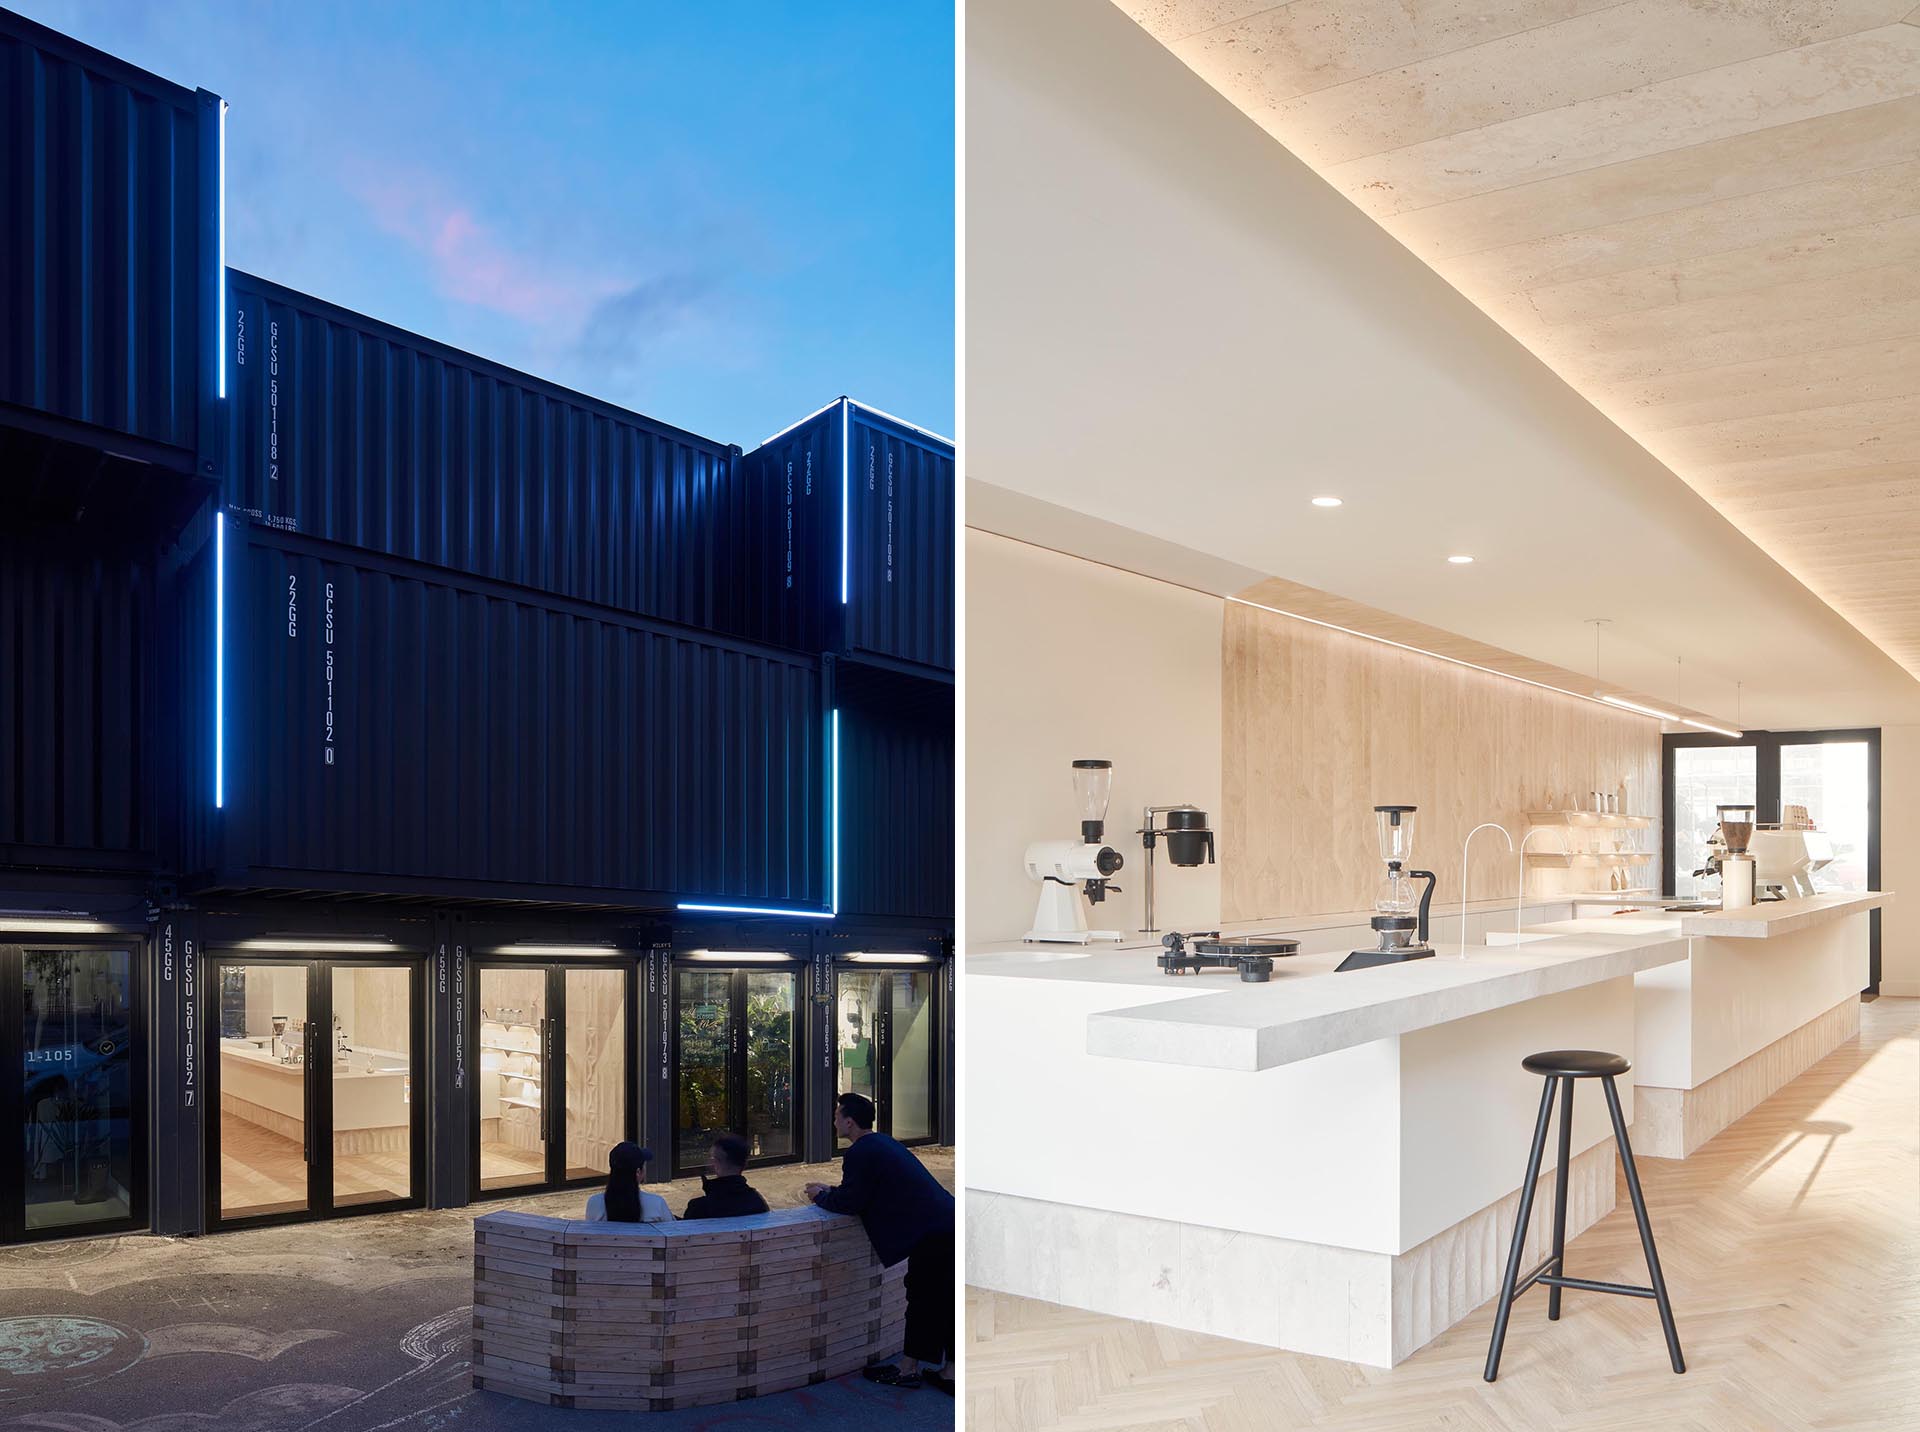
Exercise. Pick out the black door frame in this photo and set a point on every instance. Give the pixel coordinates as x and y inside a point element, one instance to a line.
<point>1766,777</point>
<point>553,1039</point>
<point>13,1202</point>
<point>791,965</point>
<point>883,1047</point>
<point>318,1093</point>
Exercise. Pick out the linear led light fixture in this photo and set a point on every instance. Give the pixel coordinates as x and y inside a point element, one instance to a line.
<point>823,408</point>
<point>881,957</point>
<point>561,951</point>
<point>1627,705</point>
<point>317,945</point>
<point>754,910</point>
<point>219,660</point>
<point>54,925</point>
<point>1709,726</point>
<point>1450,660</point>
<point>834,854</point>
<point>846,428</point>
<point>883,413</point>
<point>220,282</point>
<point>741,957</point>
<point>869,407</point>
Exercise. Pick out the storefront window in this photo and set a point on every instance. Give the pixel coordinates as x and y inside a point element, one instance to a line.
<point>77,1043</point>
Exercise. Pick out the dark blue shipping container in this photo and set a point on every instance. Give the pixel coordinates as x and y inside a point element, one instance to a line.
<point>353,431</point>
<point>80,789</point>
<point>860,509</point>
<point>109,250</point>
<point>896,793</point>
<point>393,729</point>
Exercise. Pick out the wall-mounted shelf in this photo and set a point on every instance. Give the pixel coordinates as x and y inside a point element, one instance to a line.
<point>1603,857</point>
<point>1593,819</point>
<point>521,1103</point>
<point>508,1048</point>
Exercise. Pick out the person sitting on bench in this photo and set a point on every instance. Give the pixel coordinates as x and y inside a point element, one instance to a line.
<point>725,1192</point>
<point>624,1200</point>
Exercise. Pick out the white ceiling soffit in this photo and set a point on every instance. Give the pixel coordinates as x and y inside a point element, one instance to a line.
<point>1174,326</point>
<point>1704,216</point>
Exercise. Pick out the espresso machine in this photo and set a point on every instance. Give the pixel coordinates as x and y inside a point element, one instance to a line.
<point>1400,920</point>
<point>1076,873</point>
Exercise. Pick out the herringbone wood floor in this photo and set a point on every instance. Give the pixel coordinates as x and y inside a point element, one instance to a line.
<point>1791,1245</point>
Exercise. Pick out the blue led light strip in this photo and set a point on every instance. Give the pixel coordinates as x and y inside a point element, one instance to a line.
<point>756,910</point>
<point>846,407</point>
<point>219,660</point>
<point>220,281</point>
<point>836,811</point>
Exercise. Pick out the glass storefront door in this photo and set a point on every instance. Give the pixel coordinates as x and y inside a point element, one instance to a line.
<point>885,1038</point>
<point>81,1090</point>
<point>1705,777</point>
<point>315,1068</point>
<point>555,1062</point>
<point>735,1038</point>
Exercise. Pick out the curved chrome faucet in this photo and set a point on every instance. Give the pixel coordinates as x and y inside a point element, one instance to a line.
<point>1467,845</point>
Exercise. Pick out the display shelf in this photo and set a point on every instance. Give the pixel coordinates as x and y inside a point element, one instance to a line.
<point>508,1049</point>
<point>1593,819</point>
<point>1604,857</point>
<point>513,1102</point>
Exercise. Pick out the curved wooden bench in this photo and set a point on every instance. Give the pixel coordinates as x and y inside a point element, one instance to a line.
<point>652,1316</point>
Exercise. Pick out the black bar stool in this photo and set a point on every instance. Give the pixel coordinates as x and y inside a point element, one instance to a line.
<point>1562,1067</point>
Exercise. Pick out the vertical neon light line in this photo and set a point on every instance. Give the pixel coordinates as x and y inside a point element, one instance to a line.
<point>219,660</point>
<point>846,407</point>
<point>836,810</point>
<point>220,278</point>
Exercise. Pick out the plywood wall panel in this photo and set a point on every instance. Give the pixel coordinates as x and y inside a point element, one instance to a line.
<point>1319,726</point>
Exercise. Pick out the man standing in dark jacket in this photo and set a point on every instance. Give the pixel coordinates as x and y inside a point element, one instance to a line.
<point>908,1215</point>
<point>725,1192</point>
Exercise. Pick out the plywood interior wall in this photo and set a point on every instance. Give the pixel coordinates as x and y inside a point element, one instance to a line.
<point>1319,726</point>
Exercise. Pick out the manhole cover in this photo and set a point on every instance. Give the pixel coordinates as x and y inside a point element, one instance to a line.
<point>44,1355</point>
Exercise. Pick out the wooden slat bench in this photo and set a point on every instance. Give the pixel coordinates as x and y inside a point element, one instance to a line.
<point>648,1317</point>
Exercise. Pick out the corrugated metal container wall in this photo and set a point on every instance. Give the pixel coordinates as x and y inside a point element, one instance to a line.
<point>78,787</point>
<point>789,578</point>
<point>107,267</point>
<point>388,723</point>
<point>898,538</point>
<point>899,597</point>
<point>353,431</point>
<point>896,793</point>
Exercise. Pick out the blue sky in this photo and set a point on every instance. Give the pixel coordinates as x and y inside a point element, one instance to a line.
<point>720,215</point>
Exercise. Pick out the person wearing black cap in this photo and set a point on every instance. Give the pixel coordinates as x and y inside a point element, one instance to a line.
<point>624,1201</point>
<point>725,1192</point>
<point>907,1215</point>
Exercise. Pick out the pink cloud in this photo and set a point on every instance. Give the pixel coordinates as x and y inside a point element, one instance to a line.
<point>471,264</point>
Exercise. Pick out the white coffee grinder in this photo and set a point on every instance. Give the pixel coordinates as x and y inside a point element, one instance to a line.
<point>1075,873</point>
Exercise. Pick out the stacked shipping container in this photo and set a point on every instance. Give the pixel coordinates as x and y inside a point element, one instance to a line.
<point>305,619</point>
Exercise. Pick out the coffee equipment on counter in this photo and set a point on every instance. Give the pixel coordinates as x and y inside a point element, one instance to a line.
<point>1252,955</point>
<point>1189,843</point>
<point>1736,866</point>
<point>1402,933</point>
<point>1069,869</point>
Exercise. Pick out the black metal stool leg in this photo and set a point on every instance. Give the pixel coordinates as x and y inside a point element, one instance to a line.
<point>1646,1229</point>
<point>1560,1199</point>
<point>1509,1283</point>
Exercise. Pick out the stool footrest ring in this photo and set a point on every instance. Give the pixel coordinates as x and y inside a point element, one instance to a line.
<point>1624,1289</point>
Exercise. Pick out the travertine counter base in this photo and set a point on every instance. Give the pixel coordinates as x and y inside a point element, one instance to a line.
<point>648,1317</point>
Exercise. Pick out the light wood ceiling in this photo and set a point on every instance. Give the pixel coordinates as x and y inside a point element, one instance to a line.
<point>1703,214</point>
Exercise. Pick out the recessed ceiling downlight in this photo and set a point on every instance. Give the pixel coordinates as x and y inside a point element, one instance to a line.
<point>1460,560</point>
<point>1326,502</point>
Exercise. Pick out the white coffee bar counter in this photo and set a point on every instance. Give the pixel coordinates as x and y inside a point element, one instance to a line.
<point>1764,993</point>
<point>1327,1162</point>
<point>370,1094</point>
